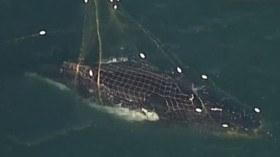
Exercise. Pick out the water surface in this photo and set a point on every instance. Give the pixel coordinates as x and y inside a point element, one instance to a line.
<point>236,43</point>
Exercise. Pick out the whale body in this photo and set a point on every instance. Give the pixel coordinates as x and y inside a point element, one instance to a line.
<point>165,97</point>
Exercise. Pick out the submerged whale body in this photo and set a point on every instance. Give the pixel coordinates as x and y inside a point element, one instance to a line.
<point>174,100</point>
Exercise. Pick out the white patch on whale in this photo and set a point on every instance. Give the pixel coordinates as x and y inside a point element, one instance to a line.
<point>125,113</point>
<point>90,90</point>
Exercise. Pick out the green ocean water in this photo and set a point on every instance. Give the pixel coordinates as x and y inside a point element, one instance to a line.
<point>234,42</point>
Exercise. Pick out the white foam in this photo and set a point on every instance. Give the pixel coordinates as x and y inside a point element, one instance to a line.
<point>115,60</point>
<point>216,109</point>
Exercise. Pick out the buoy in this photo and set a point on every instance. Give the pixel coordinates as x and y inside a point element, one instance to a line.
<point>42,32</point>
<point>199,110</point>
<point>204,77</point>
<point>142,55</point>
<point>257,110</point>
<point>90,73</point>
<point>179,70</point>
<point>115,6</point>
<point>225,125</point>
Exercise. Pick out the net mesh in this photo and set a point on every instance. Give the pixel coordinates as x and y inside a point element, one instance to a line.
<point>137,87</point>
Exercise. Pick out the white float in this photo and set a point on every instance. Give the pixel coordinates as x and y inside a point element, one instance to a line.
<point>42,32</point>
<point>179,70</point>
<point>90,73</point>
<point>204,77</point>
<point>225,125</point>
<point>199,110</point>
<point>142,55</point>
<point>257,110</point>
<point>115,6</point>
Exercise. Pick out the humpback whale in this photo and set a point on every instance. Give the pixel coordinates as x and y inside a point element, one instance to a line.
<point>171,99</point>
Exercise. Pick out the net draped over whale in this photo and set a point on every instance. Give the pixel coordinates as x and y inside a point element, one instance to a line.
<point>112,32</point>
<point>135,86</point>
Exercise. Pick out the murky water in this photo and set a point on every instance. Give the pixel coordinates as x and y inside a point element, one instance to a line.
<point>234,42</point>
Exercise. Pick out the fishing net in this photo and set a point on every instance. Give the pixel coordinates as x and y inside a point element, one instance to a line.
<point>105,34</point>
<point>125,66</point>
